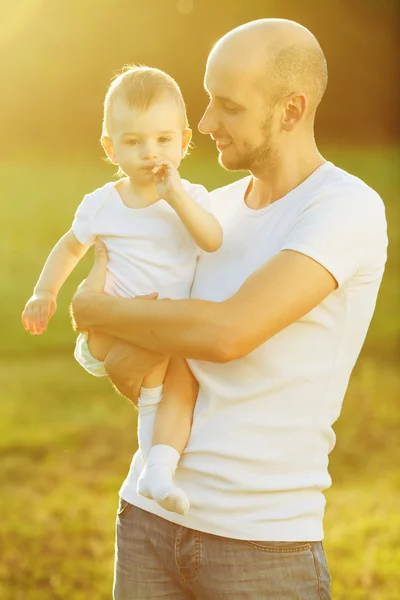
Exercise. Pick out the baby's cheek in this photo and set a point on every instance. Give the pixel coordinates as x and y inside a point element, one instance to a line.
<point>176,158</point>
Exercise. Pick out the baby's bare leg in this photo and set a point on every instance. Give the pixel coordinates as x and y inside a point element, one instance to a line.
<point>99,344</point>
<point>175,413</point>
<point>129,367</point>
<point>171,433</point>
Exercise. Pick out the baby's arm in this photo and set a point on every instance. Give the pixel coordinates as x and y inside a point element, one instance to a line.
<point>61,262</point>
<point>202,225</point>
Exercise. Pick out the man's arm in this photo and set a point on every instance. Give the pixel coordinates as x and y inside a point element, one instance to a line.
<point>279,293</point>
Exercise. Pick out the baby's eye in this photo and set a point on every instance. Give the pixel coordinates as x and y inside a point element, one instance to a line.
<point>132,142</point>
<point>164,140</point>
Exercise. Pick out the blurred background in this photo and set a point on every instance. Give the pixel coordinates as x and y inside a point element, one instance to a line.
<point>66,439</point>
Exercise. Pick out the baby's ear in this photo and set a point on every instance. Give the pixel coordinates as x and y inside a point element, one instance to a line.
<point>107,144</point>
<point>186,137</point>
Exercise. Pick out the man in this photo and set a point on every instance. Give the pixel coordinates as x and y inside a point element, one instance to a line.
<point>276,321</point>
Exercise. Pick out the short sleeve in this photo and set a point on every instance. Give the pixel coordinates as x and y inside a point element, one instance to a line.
<point>345,234</point>
<point>83,223</point>
<point>199,194</point>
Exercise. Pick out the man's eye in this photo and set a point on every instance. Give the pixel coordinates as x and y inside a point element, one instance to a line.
<point>230,109</point>
<point>164,140</point>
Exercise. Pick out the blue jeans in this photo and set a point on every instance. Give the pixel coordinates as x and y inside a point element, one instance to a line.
<point>158,559</point>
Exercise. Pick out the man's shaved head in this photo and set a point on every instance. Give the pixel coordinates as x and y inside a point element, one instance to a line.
<point>265,80</point>
<point>286,53</point>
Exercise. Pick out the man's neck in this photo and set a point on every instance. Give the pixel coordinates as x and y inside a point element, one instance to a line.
<point>274,182</point>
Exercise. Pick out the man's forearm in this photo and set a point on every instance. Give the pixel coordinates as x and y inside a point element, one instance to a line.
<point>187,328</point>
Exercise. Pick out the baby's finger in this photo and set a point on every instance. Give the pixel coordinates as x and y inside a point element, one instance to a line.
<point>28,320</point>
<point>36,320</point>
<point>24,320</point>
<point>156,163</point>
<point>32,328</point>
<point>159,168</point>
<point>167,165</point>
<point>44,317</point>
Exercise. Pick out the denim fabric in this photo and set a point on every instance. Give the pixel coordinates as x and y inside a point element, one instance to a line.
<point>158,559</point>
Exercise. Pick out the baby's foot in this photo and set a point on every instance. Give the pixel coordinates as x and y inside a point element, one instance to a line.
<point>156,483</point>
<point>156,480</point>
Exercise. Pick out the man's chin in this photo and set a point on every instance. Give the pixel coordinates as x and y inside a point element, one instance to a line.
<point>230,164</point>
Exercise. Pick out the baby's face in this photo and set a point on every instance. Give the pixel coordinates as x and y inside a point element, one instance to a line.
<point>139,137</point>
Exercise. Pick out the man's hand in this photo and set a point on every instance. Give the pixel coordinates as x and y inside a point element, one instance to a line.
<point>96,280</point>
<point>93,284</point>
<point>91,288</point>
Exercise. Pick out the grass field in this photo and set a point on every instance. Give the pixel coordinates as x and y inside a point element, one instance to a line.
<point>66,440</point>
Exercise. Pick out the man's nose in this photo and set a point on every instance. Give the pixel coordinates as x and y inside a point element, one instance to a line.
<point>208,123</point>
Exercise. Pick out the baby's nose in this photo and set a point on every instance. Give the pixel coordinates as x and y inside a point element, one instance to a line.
<point>149,153</point>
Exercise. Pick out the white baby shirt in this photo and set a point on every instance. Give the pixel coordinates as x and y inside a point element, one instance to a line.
<point>149,249</point>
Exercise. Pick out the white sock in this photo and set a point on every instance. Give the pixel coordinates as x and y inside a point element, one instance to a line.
<point>148,402</point>
<point>156,480</point>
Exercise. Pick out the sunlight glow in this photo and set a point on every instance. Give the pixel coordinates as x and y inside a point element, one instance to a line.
<point>16,15</point>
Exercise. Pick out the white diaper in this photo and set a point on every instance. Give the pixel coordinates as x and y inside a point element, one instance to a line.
<point>85,359</point>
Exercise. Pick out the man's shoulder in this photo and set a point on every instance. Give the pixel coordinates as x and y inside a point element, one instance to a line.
<point>338,177</point>
<point>346,190</point>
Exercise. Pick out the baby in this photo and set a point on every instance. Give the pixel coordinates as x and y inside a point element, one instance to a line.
<point>153,224</point>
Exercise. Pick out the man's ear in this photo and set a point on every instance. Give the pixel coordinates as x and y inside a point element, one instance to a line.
<point>295,110</point>
<point>186,137</point>
<point>107,144</point>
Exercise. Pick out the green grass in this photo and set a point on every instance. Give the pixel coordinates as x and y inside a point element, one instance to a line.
<point>66,440</point>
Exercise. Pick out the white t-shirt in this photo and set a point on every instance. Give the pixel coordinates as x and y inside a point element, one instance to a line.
<point>256,462</point>
<point>149,249</point>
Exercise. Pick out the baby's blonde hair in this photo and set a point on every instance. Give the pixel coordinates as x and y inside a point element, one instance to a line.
<point>140,87</point>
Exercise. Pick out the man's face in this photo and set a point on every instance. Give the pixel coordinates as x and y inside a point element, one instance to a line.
<point>239,117</point>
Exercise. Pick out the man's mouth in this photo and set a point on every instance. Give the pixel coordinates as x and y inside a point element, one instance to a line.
<point>222,144</point>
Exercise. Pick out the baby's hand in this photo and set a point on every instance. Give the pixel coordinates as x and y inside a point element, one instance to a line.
<point>38,311</point>
<point>166,179</point>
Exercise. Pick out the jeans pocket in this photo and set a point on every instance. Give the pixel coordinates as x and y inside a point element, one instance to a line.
<point>124,508</point>
<point>279,547</point>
